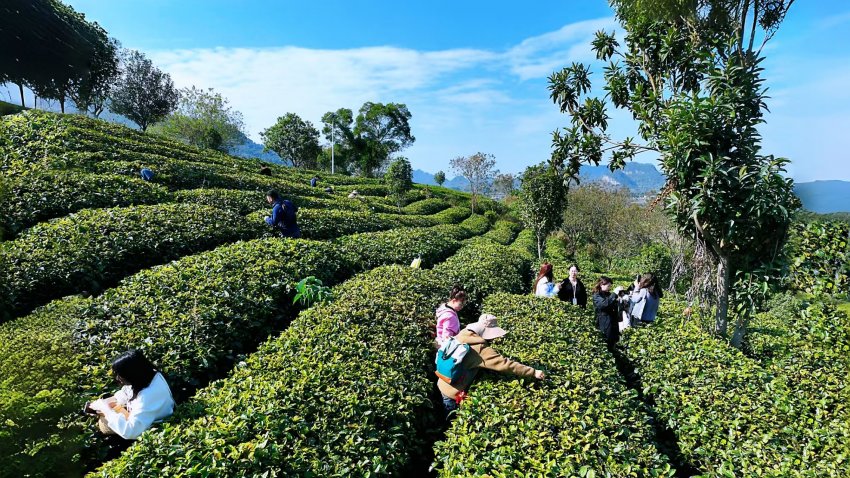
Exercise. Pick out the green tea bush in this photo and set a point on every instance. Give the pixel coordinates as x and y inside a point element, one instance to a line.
<point>191,317</point>
<point>246,201</point>
<point>730,414</point>
<point>806,345</point>
<point>91,249</point>
<point>819,256</point>
<point>581,419</point>
<point>426,206</point>
<point>39,196</point>
<point>345,391</point>
<point>503,232</point>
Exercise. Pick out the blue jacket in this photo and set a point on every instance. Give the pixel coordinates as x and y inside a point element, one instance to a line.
<point>283,218</point>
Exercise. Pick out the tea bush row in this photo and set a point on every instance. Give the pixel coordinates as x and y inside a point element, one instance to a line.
<point>345,391</point>
<point>731,416</point>
<point>581,419</point>
<point>89,250</point>
<point>192,317</point>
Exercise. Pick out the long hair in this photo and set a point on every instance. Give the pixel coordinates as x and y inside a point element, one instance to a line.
<point>457,292</point>
<point>650,283</point>
<point>545,271</point>
<point>602,281</point>
<point>135,369</point>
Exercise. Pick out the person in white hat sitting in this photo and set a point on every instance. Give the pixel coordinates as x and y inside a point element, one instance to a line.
<point>480,355</point>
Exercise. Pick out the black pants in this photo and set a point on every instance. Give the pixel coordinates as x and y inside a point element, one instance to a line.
<point>609,328</point>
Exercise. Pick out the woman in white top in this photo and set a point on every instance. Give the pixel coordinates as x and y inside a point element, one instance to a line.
<point>544,286</point>
<point>144,398</point>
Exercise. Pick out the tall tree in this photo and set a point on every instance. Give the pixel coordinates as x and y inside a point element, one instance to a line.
<point>48,46</point>
<point>294,140</point>
<point>91,93</point>
<point>338,130</point>
<point>478,169</point>
<point>382,130</point>
<point>542,200</point>
<point>204,119</point>
<point>366,143</point>
<point>399,179</point>
<point>144,94</point>
<point>503,186</point>
<point>440,178</point>
<point>690,74</point>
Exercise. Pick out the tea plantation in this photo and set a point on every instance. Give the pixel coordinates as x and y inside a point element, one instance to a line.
<point>94,260</point>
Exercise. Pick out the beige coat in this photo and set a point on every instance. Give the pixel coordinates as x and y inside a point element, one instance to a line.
<point>480,355</point>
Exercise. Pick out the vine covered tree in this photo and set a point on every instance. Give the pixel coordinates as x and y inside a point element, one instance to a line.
<point>478,170</point>
<point>203,119</point>
<point>144,94</point>
<point>542,198</point>
<point>690,74</point>
<point>294,140</point>
<point>399,179</point>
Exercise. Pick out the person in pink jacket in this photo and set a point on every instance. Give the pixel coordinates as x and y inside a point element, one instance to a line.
<point>448,322</point>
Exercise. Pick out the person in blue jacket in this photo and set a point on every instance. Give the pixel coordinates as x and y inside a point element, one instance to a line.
<point>283,215</point>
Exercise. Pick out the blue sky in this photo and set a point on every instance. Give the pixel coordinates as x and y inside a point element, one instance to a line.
<point>473,73</point>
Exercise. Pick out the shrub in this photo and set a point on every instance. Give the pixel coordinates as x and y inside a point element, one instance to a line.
<point>39,196</point>
<point>503,232</point>
<point>819,256</point>
<point>426,206</point>
<point>89,250</point>
<point>730,415</point>
<point>581,419</point>
<point>351,382</point>
<point>191,317</point>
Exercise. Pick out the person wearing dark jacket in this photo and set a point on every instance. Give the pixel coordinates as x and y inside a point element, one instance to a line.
<point>283,215</point>
<point>572,289</point>
<point>607,308</point>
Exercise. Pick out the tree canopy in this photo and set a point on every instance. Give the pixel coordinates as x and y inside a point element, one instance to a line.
<point>399,179</point>
<point>691,77</point>
<point>294,140</point>
<point>204,119</point>
<point>144,94</point>
<point>479,170</point>
<point>542,201</point>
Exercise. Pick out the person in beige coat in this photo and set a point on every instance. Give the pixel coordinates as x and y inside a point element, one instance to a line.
<point>480,355</point>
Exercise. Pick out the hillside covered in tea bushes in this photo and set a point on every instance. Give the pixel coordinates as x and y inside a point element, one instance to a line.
<point>94,260</point>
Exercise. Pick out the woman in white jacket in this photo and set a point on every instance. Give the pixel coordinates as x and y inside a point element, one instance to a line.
<point>144,398</point>
<point>544,286</point>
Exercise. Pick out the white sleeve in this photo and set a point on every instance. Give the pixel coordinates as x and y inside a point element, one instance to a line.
<point>122,397</point>
<point>140,419</point>
<point>540,290</point>
<point>638,296</point>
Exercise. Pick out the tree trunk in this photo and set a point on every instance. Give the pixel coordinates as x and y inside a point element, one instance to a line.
<point>740,330</point>
<point>62,104</point>
<point>723,286</point>
<point>540,243</point>
<point>35,102</point>
<point>21,88</point>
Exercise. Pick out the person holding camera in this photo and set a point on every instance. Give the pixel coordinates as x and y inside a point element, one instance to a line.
<point>608,308</point>
<point>645,298</point>
<point>143,398</point>
<point>572,289</point>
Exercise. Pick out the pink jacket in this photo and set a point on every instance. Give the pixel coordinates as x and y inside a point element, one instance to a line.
<point>448,323</point>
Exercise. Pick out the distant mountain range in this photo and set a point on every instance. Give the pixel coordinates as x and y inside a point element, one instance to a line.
<point>639,178</point>
<point>824,196</point>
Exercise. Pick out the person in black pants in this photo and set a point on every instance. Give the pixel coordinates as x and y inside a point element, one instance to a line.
<point>607,305</point>
<point>572,289</point>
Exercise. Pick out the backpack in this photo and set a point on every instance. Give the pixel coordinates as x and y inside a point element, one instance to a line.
<point>449,359</point>
<point>288,218</point>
